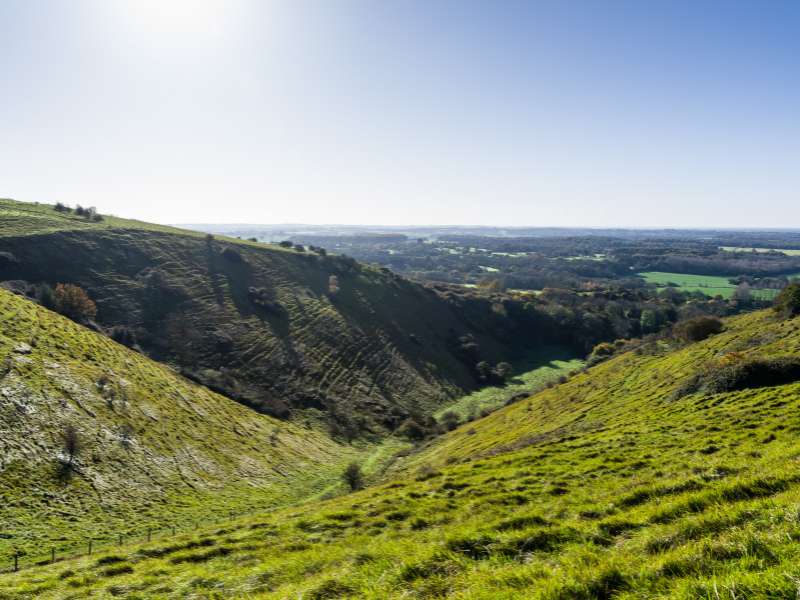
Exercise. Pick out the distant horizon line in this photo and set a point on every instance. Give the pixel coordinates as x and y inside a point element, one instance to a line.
<point>410,226</point>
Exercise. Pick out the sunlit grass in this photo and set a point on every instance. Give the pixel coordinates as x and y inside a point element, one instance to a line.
<point>605,486</point>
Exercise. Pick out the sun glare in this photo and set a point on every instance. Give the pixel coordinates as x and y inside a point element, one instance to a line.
<point>206,18</point>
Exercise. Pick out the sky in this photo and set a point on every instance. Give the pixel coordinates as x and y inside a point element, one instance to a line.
<point>397,112</point>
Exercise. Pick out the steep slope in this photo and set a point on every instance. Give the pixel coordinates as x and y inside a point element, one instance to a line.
<point>620,483</point>
<point>277,329</point>
<point>152,449</point>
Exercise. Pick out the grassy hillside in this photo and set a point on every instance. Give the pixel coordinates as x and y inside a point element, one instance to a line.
<point>262,324</point>
<point>157,450</point>
<point>24,218</point>
<point>620,483</point>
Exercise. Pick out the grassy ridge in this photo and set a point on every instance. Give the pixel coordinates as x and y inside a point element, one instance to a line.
<point>607,486</point>
<point>23,218</point>
<point>261,323</point>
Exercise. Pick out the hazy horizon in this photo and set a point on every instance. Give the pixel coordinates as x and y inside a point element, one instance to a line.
<point>479,226</point>
<point>590,115</point>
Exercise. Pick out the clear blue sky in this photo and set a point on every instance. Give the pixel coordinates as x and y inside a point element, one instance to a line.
<point>526,113</point>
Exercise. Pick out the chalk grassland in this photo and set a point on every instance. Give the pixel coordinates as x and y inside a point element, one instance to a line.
<point>259,322</point>
<point>157,450</point>
<point>610,485</point>
<point>710,285</point>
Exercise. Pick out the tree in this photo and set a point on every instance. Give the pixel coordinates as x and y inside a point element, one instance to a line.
<point>411,429</point>
<point>742,293</point>
<point>787,303</point>
<point>72,301</point>
<point>503,371</point>
<point>72,444</point>
<point>484,370</point>
<point>697,329</point>
<point>353,477</point>
<point>333,285</point>
<point>648,321</point>
<point>450,420</point>
<point>46,297</point>
<point>59,207</point>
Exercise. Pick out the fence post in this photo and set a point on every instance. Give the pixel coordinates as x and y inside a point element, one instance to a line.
<point>173,531</point>
<point>120,539</point>
<point>90,546</point>
<point>52,555</point>
<point>16,560</point>
<point>148,534</point>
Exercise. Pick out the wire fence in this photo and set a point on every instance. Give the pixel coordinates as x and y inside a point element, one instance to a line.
<point>18,560</point>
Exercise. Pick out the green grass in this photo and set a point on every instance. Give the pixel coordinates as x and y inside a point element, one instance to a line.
<point>23,218</point>
<point>187,454</point>
<point>710,285</point>
<point>33,218</point>
<point>606,486</point>
<point>532,373</point>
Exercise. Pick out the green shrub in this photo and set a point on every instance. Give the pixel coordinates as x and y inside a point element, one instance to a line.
<point>697,329</point>
<point>734,373</point>
<point>601,352</point>
<point>450,420</point>
<point>353,477</point>
<point>413,430</point>
<point>787,303</point>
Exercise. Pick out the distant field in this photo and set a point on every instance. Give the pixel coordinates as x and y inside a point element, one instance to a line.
<point>710,285</point>
<point>787,251</point>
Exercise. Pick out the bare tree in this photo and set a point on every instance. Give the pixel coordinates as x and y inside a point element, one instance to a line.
<point>72,444</point>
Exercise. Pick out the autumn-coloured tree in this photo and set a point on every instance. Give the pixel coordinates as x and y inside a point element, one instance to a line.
<point>333,285</point>
<point>72,301</point>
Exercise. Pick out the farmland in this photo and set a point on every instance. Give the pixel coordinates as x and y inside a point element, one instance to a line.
<point>709,285</point>
<point>786,251</point>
